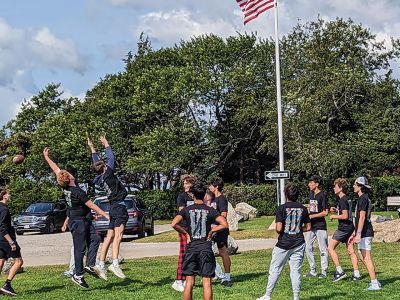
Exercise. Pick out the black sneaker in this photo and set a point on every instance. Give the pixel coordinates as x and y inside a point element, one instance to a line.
<point>8,290</point>
<point>338,276</point>
<point>90,271</point>
<point>226,283</point>
<point>355,278</point>
<point>80,281</point>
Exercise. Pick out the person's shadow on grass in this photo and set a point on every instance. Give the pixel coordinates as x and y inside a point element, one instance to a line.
<point>330,296</point>
<point>46,289</point>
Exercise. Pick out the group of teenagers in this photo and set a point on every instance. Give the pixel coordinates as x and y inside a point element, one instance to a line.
<point>202,223</point>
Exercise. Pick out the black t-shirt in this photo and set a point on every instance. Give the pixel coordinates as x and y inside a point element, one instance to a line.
<point>364,204</point>
<point>76,199</point>
<point>318,203</point>
<point>221,205</point>
<point>184,200</point>
<point>115,190</point>
<point>293,216</point>
<point>345,204</point>
<point>5,223</point>
<point>199,218</point>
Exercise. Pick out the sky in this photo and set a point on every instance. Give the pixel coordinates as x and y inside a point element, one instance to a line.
<point>76,43</point>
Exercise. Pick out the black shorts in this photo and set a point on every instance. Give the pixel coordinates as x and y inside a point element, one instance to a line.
<point>221,239</point>
<point>6,253</point>
<point>198,261</point>
<point>118,216</point>
<point>342,236</point>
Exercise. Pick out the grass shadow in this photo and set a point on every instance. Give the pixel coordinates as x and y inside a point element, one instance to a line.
<point>124,283</point>
<point>46,289</point>
<point>248,276</point>
<point>329,296</point>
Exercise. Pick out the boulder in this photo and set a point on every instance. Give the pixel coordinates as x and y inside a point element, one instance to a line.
<point>232,218</point>
<point>246,210</point>
<point>388,231</point>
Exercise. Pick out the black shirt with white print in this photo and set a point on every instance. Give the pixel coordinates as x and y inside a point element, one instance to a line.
<point>345,204</point>
<point>199,218</point>
<point>76,199</point>
<point>220,203</point>
<point>293,216</point>
<point>364,204</point>
<point>318,203</point>
<point>184,200</point>
<point>5,223</point>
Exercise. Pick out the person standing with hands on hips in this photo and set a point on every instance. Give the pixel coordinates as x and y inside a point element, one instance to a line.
<point>318,211</point>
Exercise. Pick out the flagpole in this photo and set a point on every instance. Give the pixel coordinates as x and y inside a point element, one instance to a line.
<point>279,103</point>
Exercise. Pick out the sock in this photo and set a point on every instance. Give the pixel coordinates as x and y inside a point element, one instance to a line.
<point>374,281</point>
<point>356,273</point>
<point>101,264</point>
<point>339,269</point>
<point>228,276</point>
<point>178,281</point>
<point>218,271</point>
<point>115,262</point>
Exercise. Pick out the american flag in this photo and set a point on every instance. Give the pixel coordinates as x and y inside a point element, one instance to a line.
<point>253,8</point>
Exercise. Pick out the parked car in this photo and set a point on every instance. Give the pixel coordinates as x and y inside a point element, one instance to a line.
<point>140,219</point>
<point>44,217</point>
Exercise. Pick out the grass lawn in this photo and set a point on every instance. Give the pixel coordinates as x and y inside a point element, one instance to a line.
<point>253,229</point>
<point>151,279</point>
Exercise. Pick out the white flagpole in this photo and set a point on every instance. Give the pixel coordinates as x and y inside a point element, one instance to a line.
<point>279,102</point>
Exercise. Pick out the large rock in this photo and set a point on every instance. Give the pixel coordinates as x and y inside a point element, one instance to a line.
<point>232,218</point>
<point>246,210</point>
<point>388,231</point>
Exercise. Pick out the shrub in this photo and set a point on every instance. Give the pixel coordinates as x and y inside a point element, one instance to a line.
<point>163,203</point>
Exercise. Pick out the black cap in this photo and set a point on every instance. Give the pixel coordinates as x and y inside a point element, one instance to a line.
<point>316,179</point>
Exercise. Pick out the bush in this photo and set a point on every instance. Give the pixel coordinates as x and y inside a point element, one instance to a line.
<point>262,197</point>
<point>163,203</point>
<point>382,187</point>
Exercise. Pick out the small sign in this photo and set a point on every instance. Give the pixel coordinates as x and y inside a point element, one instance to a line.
<point>276,175</point>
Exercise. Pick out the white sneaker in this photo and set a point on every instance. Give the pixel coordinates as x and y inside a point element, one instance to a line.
<point>101,272</point>
<point>264,297</point>
<point>117,271</point>
<point>178,286</point>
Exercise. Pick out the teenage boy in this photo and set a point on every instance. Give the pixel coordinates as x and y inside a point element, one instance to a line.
<point>318,210</point>
<point>116,194</point>
<point>9,247</point>
<point>184,199</point>
<point>199,258</point>
<point>364,230</point>
<point>292,219</point>
<point>220,203</point>
<point>79,219</point>
<point>345,232</point>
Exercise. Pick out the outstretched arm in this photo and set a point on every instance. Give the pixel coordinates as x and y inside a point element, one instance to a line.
<point>51,163</point>
<point>95,156</point>
<point>109,152</point>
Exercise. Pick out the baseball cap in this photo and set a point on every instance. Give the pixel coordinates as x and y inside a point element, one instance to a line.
<point>363,181</point>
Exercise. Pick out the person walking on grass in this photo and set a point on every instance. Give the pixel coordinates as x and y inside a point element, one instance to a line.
<point>116,194</point>
<point>364,229</point>
<point>344,233</point>
<point>198,258</point>
<point>292,219</point>
<point>79,219</point>
<point>220,203</point>
<point>184,199</point>
<point>318,210</point>
<point>9,247</point>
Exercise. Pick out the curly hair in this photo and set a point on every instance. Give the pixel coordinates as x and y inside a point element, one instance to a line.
<point>189,178</point>
<point>63,178</point>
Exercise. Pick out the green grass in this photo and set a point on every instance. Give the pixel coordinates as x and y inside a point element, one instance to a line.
<point>150,279</point>
<point>252,229</point>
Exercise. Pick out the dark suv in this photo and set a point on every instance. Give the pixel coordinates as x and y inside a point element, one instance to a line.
<point>44,217</point>
<point>140,219</point>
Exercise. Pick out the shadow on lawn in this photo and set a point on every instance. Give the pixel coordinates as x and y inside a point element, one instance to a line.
<point>388,280</point>
<point>46,289</point>
<point>330,296</point>
<point>248,276</point>
<point>124,283</point>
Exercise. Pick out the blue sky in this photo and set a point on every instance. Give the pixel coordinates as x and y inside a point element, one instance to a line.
<point>76,43</point>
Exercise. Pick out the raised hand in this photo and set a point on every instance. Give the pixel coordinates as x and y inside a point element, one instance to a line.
<point>104,141</point>
<point>46,152</point>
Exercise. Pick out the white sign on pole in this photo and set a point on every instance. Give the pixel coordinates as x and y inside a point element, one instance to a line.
<point>276,175</point>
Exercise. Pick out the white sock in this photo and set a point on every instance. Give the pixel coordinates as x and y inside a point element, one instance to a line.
<point>375,281</point>
<point>178,281</point>
<point>115,262</point>
<point>101,264</point>
<point>356,273</point>
<point>228,276</point>
<point>339,269</point>
<point>218,271</point>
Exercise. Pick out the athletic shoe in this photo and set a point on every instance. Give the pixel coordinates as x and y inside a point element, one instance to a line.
<point>178,286</point>
<point>374,286</point>
<point>117,271</point>
<point>68,273</point>
<point>226,283</point>
<point>338,276</point>
<point>322,276</point>
<point>309,274</point>
<point>90,271</point>
<point>79,280</point>
<point>355,278</point>
<point>265,297</point>
<point>101,272</point>
<point>8,290</point>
